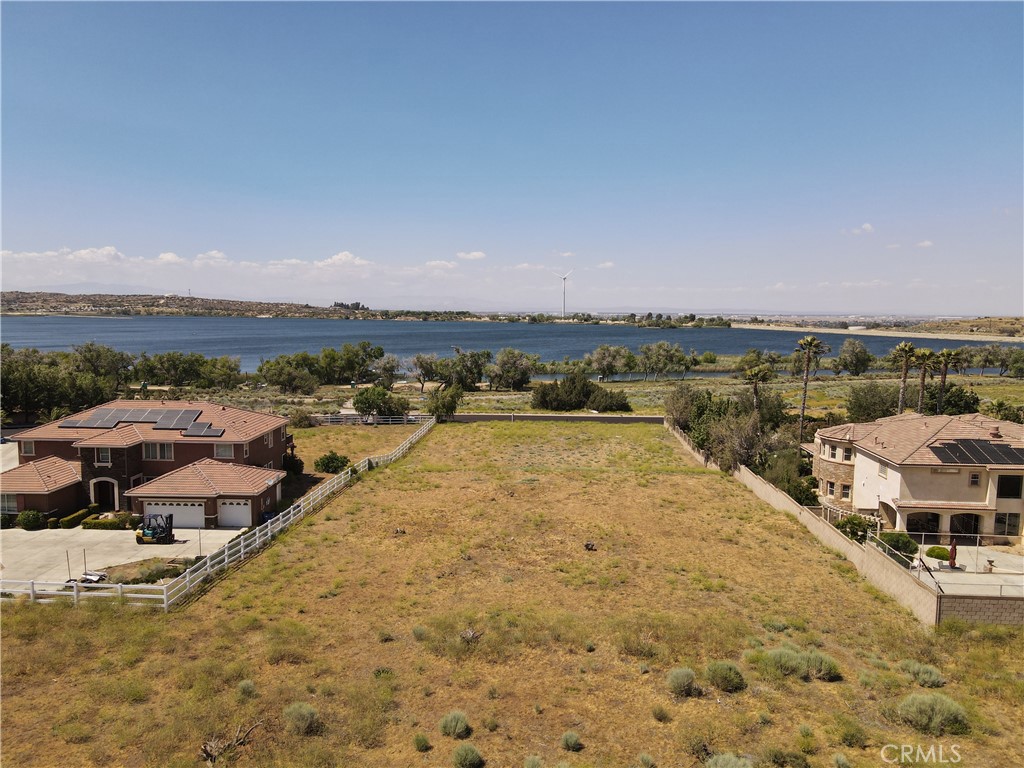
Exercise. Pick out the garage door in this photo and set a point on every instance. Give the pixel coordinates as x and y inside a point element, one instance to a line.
<point>187,514</point>
<point>234,513</point>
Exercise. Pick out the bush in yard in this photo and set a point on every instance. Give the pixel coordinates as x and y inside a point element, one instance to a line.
<point>301,418</point>
<point>901,542</point>
<point>856,527</point>
<point>302,719</point>
<point>293,465</point>
<point>73,520</point>
<point>938,553</point>
<point>725,676</point>
<point>680,682</point>
<point>605,400</point>
<point>31,520</point>
<point>117,523</point>
<point>466,756</point>
<point>933,713</point>
<point>331,463</point>
<point>727,760</point>
<point>455,725</point>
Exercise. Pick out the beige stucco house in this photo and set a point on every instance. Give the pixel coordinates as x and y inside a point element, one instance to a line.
<point>931,474</point>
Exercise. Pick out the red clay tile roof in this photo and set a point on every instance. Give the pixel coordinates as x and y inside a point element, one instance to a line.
<point>239,425</point>
<point>41,476</point>
<point>209,478</point>
<point>909,438</point>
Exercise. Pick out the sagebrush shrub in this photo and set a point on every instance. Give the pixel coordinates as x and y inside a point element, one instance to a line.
<point>680,682</point>
<point>421,742</point>
<point>728,760</point>
<point>646,761</point>
<point>302,719</point>
<point>455,725</point>
<point>247,689</point>
<point>661,714</point>
<point>466,756</point>
<point>933,713</point>
<point>725,676</point>
<point>533,761</point>
<point>571,742</point>
<point>925,675</point>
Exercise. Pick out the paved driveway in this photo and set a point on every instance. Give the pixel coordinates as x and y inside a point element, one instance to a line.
<point>45,555</point>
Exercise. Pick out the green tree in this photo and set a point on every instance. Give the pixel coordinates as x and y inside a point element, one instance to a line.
<point>512,369</point>
<point>872,400</point>
<point>946,359</point>
<point>377,401</point>
<point>854,357</point>
<point>811,348</point>
<point>901,358</point>
<point>386,371</point>
<point>755,377</point>
<point>424,368</point>
<point>608,360</point>
<point>926,363</point>
<point>442,403</point>
<point>957,400</point>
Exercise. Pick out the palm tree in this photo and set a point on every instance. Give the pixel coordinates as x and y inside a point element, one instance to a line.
<point>756,376</point>
<point>812,348</point>
<point>902,355</point>
<point>947,358</point>
<point>924,360</point>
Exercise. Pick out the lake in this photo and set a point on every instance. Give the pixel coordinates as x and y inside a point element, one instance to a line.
<point>254,339</point>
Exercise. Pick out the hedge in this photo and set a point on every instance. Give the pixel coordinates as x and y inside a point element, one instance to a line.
<point>94,523</point>
<point>73,520</point>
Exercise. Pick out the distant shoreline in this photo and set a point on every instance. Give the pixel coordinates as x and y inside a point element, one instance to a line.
<point>882,332</point>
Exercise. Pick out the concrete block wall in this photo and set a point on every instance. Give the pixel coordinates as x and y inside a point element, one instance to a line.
<point>978,608</point>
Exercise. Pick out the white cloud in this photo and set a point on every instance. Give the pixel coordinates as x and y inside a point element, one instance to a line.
<point>863,229</point>
<point>211,257</point>
<point>606,265</point>
<point>866,284</point>
<point>342,259</point>
<point>170,258</point>
<point>780,286</point>
<point>528,265</point>
<point>925,244</point>
<point>442,264</point>
<point>471,255</point>
<point>566,254</point>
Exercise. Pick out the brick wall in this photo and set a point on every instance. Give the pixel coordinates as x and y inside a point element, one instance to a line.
<point>977,608</point>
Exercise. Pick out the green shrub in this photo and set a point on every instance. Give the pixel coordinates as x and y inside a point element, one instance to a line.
<point>938,553</point>
<point>901,542</point>
<point>856,527</point>
<point>247,689</point>
<point>725,676</point>
<point>120,522</point>
<point>781,662</point>
<point>782,759</point>
<point>466,756</point>
<point>301,418</point>
<point>490,724</point>
<point>533,761</point>
<point>661,714</point>
<point>680,681</point>
<point>421,742</point>
<point>570,741</point>
<point>728,760</point>
<point>606,400</point>
<point>455,725</point>
<point>331,463</point>
<point>74,519</point>
<point>8,521</point>
<point>419,633</point>
<point>851,733</point>
<point>839,760</point>
<point>821,666</point>
<point>53,522</point>
<point>925,675</point>
<point>933,713</point>
<point>31,520</point>
<point>646,761</point>
<point>302,719</point>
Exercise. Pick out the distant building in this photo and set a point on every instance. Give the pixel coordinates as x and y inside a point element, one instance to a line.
<point>931,474</point>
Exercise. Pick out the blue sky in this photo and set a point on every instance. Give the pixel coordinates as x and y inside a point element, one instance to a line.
<point>772,157</point>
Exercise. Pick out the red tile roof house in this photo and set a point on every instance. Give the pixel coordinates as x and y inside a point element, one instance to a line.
<point>51,486</point>
<point>209,493</point>
<point>940,475</point>
<point>125,443</point>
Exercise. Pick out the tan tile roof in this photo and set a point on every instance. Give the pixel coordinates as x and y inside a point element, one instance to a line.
<point>909,438</point>
<point>239,425</point>
<point>207,478</point>
<point>41,476</point>
<point>120,436</point>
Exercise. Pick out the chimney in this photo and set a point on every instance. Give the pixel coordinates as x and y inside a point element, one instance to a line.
<point>994,432</point>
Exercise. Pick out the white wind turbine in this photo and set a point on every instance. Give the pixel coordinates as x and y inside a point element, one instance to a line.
<point>563,278</point>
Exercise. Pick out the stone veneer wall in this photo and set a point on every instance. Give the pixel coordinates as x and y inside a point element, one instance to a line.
<point>838,472</point>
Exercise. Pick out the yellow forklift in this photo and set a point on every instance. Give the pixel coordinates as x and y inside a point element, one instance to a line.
<point>155,529</point>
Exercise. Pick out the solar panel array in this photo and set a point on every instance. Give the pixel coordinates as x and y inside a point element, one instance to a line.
<point>977,452</point>
<point>160,418</point>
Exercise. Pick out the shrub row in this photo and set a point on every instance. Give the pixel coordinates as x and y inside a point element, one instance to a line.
<point>790,662</point>
<point>73,520</point>
<point>120,522</point>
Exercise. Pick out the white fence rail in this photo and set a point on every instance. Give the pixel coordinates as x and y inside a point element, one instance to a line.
<point>235,551</point>
<point>341,419</point>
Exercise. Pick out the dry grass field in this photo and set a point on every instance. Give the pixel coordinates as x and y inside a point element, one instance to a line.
<point>458,579</point>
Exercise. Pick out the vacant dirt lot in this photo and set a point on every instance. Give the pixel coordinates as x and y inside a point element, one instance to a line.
<point>459,579</point>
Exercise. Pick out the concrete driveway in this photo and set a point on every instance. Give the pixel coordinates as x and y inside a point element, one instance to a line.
<point>44,555</point>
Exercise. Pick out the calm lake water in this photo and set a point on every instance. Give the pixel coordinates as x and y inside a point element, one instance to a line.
<point>254,339</point>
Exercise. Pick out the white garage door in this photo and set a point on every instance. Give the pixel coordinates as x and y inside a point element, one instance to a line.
<point>187,514</point>
<point>234,513</point>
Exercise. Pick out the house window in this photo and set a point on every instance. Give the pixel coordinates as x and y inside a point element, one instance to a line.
<point>158,451</point>
<point>270,443</point>
<point>269,465</point>
<point>845,493</point>
<point>975,479</point>
<point>1009,486</point>
<point>822,451</point>
<point>883,471</point>
<point>245,451</point>
<point>847,454</point>
<point>103,456</point>
<point>831,451</point>
<point>8,504</point>
<point>223,451</point>
<point>830,488</point>
<point>28,448</point>
<point>1007,524</point>
<point>137,480</point>
<point>284,435</point>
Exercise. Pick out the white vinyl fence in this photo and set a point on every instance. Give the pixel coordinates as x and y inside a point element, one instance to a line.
<point>342,419</point>
<point>235,551</point>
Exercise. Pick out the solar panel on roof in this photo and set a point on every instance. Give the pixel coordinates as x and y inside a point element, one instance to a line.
<point>167,418</point>
<point>977,452</point>
<point>196,429</point>
<point>69,423</point>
